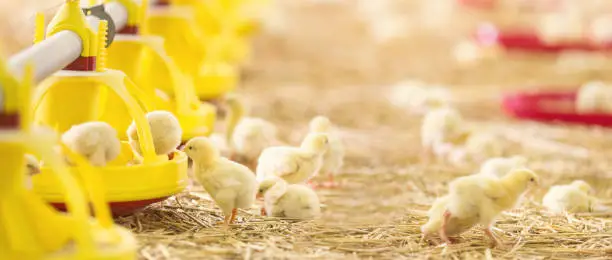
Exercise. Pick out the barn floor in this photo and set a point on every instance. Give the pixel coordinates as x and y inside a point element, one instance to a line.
<point>327,64</point>
<point>331,66</point>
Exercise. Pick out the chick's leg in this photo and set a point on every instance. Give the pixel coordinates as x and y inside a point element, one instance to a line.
<point>489,233</point>
<point>226,220</point>
<point>312,184</point>
<point>331,183</point>
<point>427,154</point>
<point>233,216</point>
<point>445,217</point>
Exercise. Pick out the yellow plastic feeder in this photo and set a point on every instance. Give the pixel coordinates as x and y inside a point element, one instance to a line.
<point>29,227</point>
<point>72,97</point>
<point>228,22</point>
<point>143,59</point>
<point>130,188</point>
<point>186,44</point>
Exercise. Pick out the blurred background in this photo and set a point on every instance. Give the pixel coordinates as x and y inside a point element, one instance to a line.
<point>374,42</point>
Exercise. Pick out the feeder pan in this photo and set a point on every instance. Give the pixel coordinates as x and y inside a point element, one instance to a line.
<point>212,78</point>
<point>529,41</point>
<point>551,106</point>
<point>73,97</point>
<point>29,227</point>
<point>144,59</point>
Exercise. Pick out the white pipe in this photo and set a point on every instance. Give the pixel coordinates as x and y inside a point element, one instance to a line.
<point>59,50</point>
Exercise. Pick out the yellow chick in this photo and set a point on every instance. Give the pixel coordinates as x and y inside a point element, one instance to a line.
<point>480,146</point>
<point>418,96</point>
<point>32,168</point>
<point>289,200</point>
<point>454,226</point>
<point>469,53</point>
<point>95,141</point>
<point>561,27</point>
<point>245,137</point>
<point>442,128</point>
<point>600,29</point>
<point>500,166</point>
<point>570,198</point>
<point>230,184</point>
<point>333,159</point>
<point>248,136</point>
<point>477,199</point>
<point>165,130</point>
<point>594,97</point>
<point>293,164</point>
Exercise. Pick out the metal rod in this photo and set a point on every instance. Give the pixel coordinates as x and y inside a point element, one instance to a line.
<point>61,49</point>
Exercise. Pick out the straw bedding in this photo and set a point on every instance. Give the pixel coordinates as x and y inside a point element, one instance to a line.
<point>327,64</point>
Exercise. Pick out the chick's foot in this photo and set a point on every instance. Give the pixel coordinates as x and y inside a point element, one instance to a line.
<point>443,234</point>
<point>494,240</point>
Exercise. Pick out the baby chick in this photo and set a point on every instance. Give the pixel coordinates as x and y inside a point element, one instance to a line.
<point>288,200</point>
<point>165,129</point>
<point>231,185</point>
<point>571,198</point>
<point>482,145</point>
<point>441,129</point>
<point>418,96</point>
<point>500,166</point>
<point>96,141</point>
<point>293,164</point>
<point>477,199</point>
<point>560,27</point>
<point>333,159</point>
<point>454,226</point>
<point>248,136</point>
<point>594,97</point>
<point>600,29</point>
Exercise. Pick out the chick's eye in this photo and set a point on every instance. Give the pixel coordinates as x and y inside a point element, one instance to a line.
<point>190,148</point>
<point>532,180</point>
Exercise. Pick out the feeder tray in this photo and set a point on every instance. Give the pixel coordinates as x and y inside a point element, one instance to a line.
<point>211,77</point>
<point>551,106</point>
<point>529,41</point>
<point>68,98</point>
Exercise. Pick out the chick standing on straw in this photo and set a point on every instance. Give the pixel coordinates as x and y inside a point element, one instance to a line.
<point>476,199</point>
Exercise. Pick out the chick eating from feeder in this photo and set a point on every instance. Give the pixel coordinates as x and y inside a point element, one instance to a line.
<point>95,141</point>
<point>165,130</point>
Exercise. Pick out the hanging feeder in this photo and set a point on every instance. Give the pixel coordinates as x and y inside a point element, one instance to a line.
<point>80,94</point>
<point>144,59</point>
